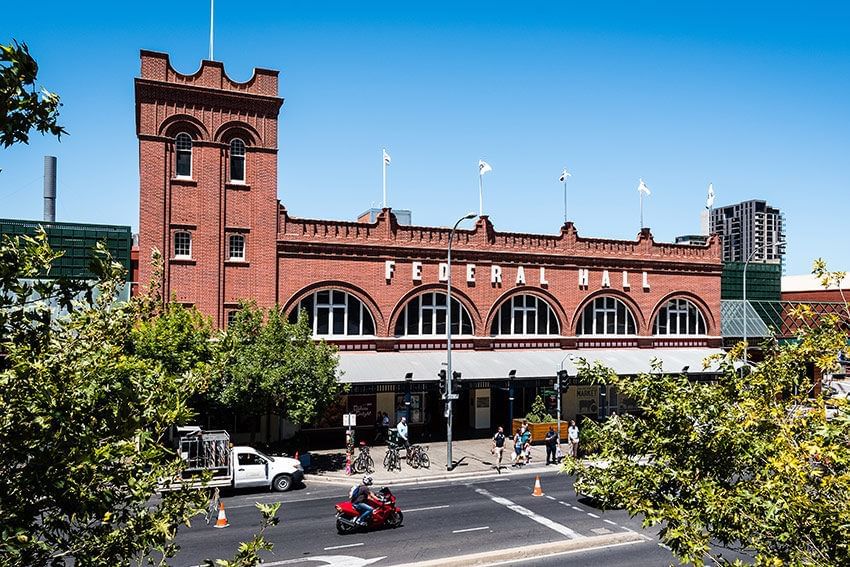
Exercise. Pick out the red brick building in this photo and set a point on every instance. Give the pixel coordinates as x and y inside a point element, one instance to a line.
<point>520,302</point>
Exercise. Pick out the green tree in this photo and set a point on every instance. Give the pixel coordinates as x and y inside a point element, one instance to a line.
<point>23,106</point>
<point>270,365</point>
<point>85,401</point>
<point>747,462</point>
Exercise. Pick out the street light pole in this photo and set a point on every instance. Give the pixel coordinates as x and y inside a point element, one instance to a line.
<point>744,300</point>
<point>449,462</point>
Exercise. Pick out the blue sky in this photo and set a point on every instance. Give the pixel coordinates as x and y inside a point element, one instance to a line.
<point>750,96</point>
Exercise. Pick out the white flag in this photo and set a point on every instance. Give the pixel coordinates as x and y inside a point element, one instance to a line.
<point>642,188</point>
<point>483,167</point>
<point>387,159</point>
<point>564,175</point>
<point>709,202</point>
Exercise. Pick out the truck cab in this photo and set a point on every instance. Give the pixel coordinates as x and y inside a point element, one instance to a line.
<point>253,468</point>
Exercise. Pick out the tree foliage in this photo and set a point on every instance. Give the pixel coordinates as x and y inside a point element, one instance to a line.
<point>88,389</point>
<point>23,106</point>
<point>748,461</point>
<point>269,364</point>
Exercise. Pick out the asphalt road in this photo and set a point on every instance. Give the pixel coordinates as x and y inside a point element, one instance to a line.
<point>440,521</point>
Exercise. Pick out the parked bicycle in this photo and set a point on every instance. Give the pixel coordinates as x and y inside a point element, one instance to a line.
<point>392,460</point>
<point>417,456</point>
<point>363,463</point>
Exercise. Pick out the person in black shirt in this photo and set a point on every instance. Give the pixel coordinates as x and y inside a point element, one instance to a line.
<point>551,441</point>
<point>498,447</point>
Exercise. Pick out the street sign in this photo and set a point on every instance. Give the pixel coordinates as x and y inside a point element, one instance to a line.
<point>349,420</point>
<point>451,397</point>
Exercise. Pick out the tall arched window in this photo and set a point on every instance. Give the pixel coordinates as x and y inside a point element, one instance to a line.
<point>333,312</point>
<point>182,245</point>
<point>236,247</point>
<point>606,316</point>
<point>183,147</point>
<point>525,315</point>
<point>679,317</point>
<point>426,315</point>
<point>237,161</point>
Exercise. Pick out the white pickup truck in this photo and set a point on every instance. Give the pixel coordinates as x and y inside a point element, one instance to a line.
<point>233,467</point>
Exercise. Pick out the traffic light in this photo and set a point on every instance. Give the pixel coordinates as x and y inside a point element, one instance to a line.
<point>456,385</point>
<point>442,376</point>
<point>563,380</point>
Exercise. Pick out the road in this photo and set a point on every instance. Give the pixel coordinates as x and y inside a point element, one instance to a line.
<point>441,520</point>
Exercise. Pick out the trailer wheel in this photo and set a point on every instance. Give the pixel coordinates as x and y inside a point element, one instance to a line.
<point>282,483</point>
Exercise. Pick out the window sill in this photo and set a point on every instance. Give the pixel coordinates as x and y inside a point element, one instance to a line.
<point>183,261</point>
<point>237,186</point>
<point>187,181</point>
<point>237,263</point>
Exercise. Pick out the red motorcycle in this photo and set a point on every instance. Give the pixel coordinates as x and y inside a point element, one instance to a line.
<point>386,513</point>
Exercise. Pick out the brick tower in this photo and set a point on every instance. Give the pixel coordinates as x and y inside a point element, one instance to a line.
<point>208,183</point>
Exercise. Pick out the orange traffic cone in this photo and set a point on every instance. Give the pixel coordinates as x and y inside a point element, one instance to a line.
<point>222,517</point>
<point>538,491</point>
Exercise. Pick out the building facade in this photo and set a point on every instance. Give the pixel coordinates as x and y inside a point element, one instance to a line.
<point>521,305</point>
<point>751,230</point>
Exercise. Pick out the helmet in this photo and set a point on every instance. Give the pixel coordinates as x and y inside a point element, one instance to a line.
<point>367,480</point>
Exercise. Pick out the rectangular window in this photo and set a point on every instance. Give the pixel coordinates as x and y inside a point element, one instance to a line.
<point>184,163</point>
<point>353,316</point>
<point>322,320</point>
<point>236,246</point>
<point>182,245</point>
<point>339,320</point>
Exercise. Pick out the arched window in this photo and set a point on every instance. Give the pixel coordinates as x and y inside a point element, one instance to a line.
<point>182,245</point>
<point>426,315</point>
<point>333,312</point>
<point>525,315</point>
<point>237,161</point>
<point>679,317</point>
<point>236,247</point>
<point>183,146</point>
<point>606,316</point>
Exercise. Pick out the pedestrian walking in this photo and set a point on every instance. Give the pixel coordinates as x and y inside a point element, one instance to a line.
<point>551,441</point>
<point>525,432</point>
<point>572,436</point>
<point>402,433</point>
<point>516,457</point>
<point>498,447</point>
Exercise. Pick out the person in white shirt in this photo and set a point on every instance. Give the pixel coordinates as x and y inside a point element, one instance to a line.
<point>572,435</point>
<point>401,428</point>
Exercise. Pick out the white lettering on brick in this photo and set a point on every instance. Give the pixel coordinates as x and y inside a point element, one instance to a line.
<point>495,274</point>
<point>626,284</point>
<point>645,280</point>
<point>543,281</point>
<point>470,273</point>
<point>583,277</point>
<point>417,271</point>
<point>444,272</point>
<point>520,276</point>
<point>606,279</point>
<point>389,269</point>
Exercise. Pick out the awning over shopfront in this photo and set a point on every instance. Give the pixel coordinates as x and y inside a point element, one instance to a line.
<point>384,367</point>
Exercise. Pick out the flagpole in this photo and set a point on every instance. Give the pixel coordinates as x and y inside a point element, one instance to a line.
<point>384,161</point>
<point>212,20</point>
<point>480,194</point>
<point>641,209</point>
<point>565,199</point>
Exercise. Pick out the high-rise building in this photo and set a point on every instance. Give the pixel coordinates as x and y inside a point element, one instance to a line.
<point>751,230</point>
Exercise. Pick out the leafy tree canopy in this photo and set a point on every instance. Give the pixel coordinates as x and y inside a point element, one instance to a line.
<point>748,461</point>
<point>267,363</point>
<point>23,107</point>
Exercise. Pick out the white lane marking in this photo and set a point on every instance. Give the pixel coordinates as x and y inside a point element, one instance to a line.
<point>427,508</point>
<point>344,546</point>
<point>335,560</point>
<point>559,553</point>
<point>560,528</point>
<point>610,522</point>
<point>592,515</point>
<point>550,497</point>
<point>470,530</point>
<point>664,546</point>
<point>576,508</point>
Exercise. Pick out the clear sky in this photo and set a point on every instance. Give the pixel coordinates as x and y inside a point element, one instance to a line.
<point>754,97</point>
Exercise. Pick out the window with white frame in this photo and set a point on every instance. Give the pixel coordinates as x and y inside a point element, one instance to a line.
<point>525,315</point>
<point>236,247</point>
<point>606,316</point>
<point>679,317</point>
<point>183,148</point>
<point>237,161</point>
<point>182,244</point>
<point>426,315</point>
<point>333,312</point>
<point>231,316</point>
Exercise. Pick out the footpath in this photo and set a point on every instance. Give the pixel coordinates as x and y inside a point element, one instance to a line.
<point>472,459</point>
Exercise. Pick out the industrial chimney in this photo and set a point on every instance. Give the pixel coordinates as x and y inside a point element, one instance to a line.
<point>50,188</point>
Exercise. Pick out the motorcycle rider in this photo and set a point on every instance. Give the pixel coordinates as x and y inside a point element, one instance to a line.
<point>360,495</point>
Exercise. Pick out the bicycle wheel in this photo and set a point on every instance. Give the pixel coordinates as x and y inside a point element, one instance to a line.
<point>424,460</point>
<point>388,460</point>
<point>370,464</point>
